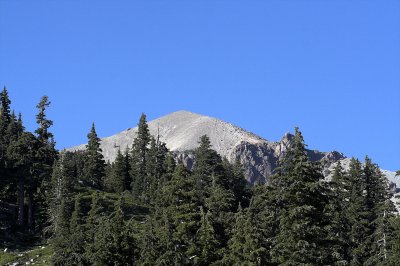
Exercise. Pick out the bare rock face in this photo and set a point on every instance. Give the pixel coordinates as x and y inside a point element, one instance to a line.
<point>182,130</point>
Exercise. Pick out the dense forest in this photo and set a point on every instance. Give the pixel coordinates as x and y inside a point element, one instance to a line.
<point>144,209</point>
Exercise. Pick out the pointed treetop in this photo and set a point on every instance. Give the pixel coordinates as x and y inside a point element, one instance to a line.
<point>5,103</point>
<point>41,119</point>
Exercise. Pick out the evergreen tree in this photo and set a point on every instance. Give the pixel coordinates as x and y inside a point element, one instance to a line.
<point>42,131</point>
<point>340,225</point>
<point>139,157</point>
<point>94,169</point>
<point>93,222</point>
<point>119,177</point>
<point>238,183</point>
<point>114,243</point>
<point>45,157</point>
<point>169,166</point>
<point>208,244</point>
<point>151,179</point>
<point>76,252</point>
<point>127,169</point>
<point>255,230</point>
<point>357,213</point>
<point>261,226</point>
<point>207,164</point>
<point>394,245</point>
<point>237,245</point>
<point>183,210</point>
<point>21,155</point>
<point>303,224</point>
<point>219,207</point>
<point>150,249</point>
<point>61,197</point>
<point>381,210</point>
<point>5,119</point>
<point>60,211</point>
<point>5,115</point>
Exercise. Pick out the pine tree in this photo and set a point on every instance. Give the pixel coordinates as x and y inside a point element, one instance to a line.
<point>114,243</point>
<point>139,157</point>
<point>127,169</point>
<point>44,123</point>
<point>183,209</point>
<point>7,181</point>
<point>259,228</point>
<point>119,177</point>
<point>151,179</point>
<point>150,249</point>
<point>93,221</point>
<point>76,253</point>
<point>5,115</point>
<point>219,206</point>
<point>303,224</point>
<point>357,213</point>
<point>45,157</point>
<point>169,166</point>
<point>394,245</point>
<point>60,197</point>
<point>5,119</point>
<point>21,155</point>
<point>137,180</point>
<point>94,164</point>
<point>61,206</point>
<point>235,254</point>
<point>207,243</point>
<point>237,183</point>
<point>337,209</point>
<point>207,164</point>
<point>381,211</point>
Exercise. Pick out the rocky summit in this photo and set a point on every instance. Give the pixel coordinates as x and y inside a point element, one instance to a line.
<point>181,131</point>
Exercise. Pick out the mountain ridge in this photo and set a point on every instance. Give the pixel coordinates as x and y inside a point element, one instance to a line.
<point>182,129</point>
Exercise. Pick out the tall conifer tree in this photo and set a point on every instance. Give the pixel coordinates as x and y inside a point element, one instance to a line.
<point>94,164</point>
<point>139,157</point>
<point>303,234</point>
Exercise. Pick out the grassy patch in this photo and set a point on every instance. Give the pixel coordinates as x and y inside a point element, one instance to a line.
<point>40,256</point>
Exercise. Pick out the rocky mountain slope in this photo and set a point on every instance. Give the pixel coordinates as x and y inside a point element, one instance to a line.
<point>181,131</point>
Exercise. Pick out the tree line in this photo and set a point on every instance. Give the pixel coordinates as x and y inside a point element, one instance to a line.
<point>144,209</point>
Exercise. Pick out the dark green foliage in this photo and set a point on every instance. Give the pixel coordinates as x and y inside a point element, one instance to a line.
<point>208,169</point>
<point>208,246</point>
<point>140,182</point>
<point>393,246</point>
<point>237,183</point>
<point>94,169</point>
<point>143,209</point>
<point>340,226</point>
<point>183,210</point>
<point>117,176</point>
<point>302,237</point>
<point>45,157</point>
<point>7,135</point>
<point>254,231</point>
<point>5,115</point>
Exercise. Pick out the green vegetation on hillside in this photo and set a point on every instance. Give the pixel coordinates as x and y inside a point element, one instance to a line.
<point>73,208</point>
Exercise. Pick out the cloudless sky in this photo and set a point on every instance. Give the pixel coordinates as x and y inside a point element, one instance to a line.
<point>330,67</point>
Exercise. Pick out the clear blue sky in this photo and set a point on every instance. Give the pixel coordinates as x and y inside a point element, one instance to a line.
<point>330,67</point>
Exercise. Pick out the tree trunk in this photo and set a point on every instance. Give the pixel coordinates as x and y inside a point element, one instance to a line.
<point>21,205</point>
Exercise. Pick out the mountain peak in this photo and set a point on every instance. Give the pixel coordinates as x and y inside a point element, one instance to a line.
<point>181,131</point>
